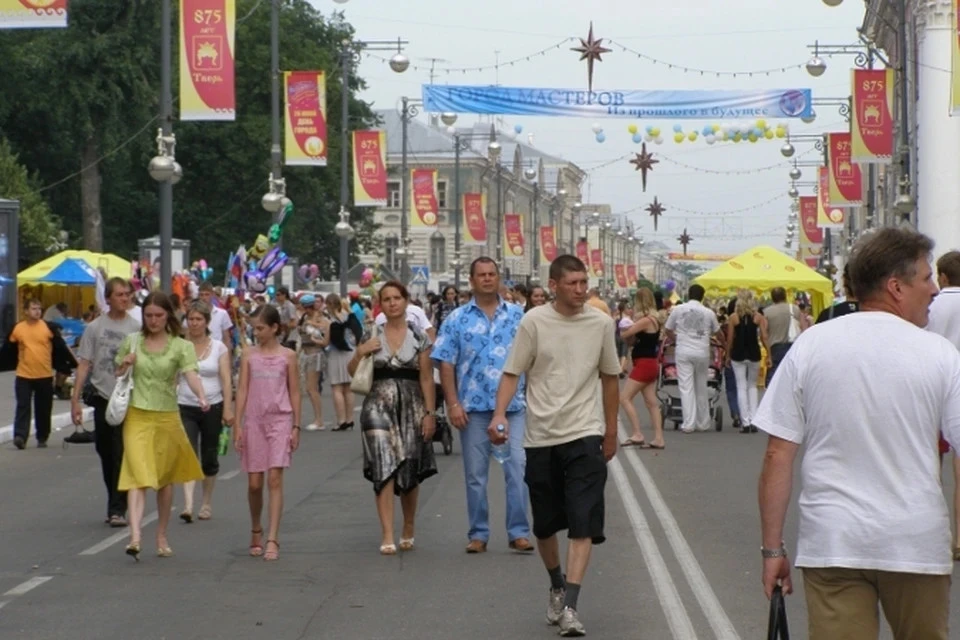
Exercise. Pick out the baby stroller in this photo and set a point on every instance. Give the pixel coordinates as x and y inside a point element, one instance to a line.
<point>443,433</point>
<point>668,391</point>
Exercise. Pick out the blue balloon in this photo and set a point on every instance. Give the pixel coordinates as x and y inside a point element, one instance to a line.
<point>638,137</point>
<point>601,137</point>
<point>650,129</point>
<point>707,130</point>
<point>518,128</point>
<point>677,128</point>
<point>271,291</point>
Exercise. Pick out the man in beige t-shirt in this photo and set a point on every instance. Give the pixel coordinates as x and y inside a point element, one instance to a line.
<point>595,301</point>
<point>563,348</point>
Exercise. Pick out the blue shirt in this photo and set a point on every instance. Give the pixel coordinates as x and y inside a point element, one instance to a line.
<point>478,348</point>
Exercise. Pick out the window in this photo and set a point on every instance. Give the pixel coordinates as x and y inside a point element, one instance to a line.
<point>393,194</point>
<point>391,242</point>
<point>441,194</point>
<point>438,253</point>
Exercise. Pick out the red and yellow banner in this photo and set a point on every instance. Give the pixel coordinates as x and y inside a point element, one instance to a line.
<point>871,126</point>
<point>370,168</point>
<point>423,185</point>
<point>811,235</point>
<point>596,259</point>
<point>828,216</point>
<point>305,118</point>
<point>513,235</point>
<point>474,218</point>
<point>846,179</point>
<point>620,271</point>
<point>207,70</point>
<point>33,14</point>
<point>583,252</point>
<point>632,276</point>
<point>548,244</point>
<point>955,61</point>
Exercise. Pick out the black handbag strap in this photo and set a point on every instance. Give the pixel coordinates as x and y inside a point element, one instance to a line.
<point>777,626</point>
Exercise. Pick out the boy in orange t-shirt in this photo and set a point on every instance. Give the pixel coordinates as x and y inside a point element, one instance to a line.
<point>34,380</point>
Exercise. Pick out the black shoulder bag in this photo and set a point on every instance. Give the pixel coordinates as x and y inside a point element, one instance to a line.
<point>777,627</point>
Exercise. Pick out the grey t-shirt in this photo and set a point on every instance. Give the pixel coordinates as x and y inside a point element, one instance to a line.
<point>99,345</point>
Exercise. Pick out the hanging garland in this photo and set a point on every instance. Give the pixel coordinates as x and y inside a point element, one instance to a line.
<point>704,72</point>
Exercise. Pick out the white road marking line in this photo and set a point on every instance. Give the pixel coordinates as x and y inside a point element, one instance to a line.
<point>719,620</point>
<point>29,585</point>
<point>670,601</point>
<point>230,474</point>
<point>106,543</point>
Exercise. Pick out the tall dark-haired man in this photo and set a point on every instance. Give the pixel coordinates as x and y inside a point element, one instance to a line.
<point>563,348</point>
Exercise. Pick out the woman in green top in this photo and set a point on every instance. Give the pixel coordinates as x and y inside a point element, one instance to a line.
<point>157,453</point>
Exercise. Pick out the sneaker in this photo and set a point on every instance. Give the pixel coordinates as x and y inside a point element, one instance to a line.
<point>19,442</point>
<point>313,426</point>
<point>570,626</point>
<point>555,606</point>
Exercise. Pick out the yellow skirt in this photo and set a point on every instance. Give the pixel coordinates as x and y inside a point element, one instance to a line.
<point>156,452</point>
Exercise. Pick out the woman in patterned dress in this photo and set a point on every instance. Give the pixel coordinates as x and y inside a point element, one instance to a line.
<point>398,416</point>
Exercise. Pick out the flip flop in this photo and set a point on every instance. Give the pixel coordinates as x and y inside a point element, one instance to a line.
<point>629,442</point>
<point>659,447</point>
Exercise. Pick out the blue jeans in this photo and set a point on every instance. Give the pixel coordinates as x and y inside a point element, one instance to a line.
<point>477,448</point>
<point>730,385</point>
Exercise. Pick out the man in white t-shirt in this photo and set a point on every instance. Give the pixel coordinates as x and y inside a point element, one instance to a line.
<point>693,325</point>
<point>220,323</point>
<point>945,321</point>
<point>865,395</point>
<point>416,317</point>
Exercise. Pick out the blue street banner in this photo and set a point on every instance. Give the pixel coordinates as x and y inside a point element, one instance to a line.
<point>680,104</point>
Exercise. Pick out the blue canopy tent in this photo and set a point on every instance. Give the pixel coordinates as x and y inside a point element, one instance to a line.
<point>71,271</point>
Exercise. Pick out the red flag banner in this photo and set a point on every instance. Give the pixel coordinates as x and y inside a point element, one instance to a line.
<point>305,120</point>
<point>871,127</point>
<point>828,216</point>
<point>33,14</point>
<point>620,272</point>
<point>632,275</point>
<point>474,206</point>
<point>513,234</point>
<point>596,259</point>
<point>846,179</point>
<point>548,244</point>
<point>370,168</point>
<point>207,69</point>
<point>423,183</point>
<point>583,252</point>
<point>811,235</point>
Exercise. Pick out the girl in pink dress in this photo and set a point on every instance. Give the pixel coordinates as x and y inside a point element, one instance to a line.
<point>268,429</point>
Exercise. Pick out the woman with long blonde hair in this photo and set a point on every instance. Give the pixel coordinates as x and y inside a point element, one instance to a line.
<point>746,331</point>
<point>645,332</point>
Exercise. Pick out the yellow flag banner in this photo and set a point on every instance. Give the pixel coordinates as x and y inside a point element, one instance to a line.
<point>423,184</point>
<point>955,61</point>
<point>207,41</point>
<point>305,119</point>
<point>33,14</point>
<point>828,217</point>
<point>871,123</point>
<point>370,168</point>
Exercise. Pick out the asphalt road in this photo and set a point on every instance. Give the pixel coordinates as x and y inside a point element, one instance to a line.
<point>681,560</point>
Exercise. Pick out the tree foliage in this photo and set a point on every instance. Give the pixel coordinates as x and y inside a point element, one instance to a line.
<point>100,76</point>
<point>38,227</point>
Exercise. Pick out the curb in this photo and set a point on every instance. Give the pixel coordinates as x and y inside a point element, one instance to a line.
<point>58,421</point>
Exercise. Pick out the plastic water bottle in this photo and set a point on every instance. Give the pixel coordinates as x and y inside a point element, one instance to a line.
<point>224,443</point>
<point>501,452</point>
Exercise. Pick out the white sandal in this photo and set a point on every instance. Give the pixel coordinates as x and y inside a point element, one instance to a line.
<point>388,549</point>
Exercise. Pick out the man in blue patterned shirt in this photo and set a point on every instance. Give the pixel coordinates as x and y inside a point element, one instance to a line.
<point>472,347</point>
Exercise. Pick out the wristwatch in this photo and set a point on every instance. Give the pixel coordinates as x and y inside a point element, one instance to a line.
<point>429,413</point>
<point>774,553</point>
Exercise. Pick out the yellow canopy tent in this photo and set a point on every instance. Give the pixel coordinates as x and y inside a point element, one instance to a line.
<point>78,298</point>
<point>762,268</point>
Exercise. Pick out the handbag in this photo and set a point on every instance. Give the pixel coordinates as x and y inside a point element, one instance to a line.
<point>120,397</point>
<point>362,380</point>
<point>794,331</point>
<point>777,627</point>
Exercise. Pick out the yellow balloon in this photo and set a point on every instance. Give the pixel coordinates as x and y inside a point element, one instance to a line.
<point>781,132</point>
<point>726,136</point>
<point>678,138</point>
<point>692,136</point>
<point>761,124</point>
<point>716,128</point>
<point>632,128</point>
<point>753,137</point>
<point>768,134</point>
<point>655,132</point>
<point>737,137</point>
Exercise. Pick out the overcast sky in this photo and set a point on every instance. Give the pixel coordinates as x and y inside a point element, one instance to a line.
<point>700,34</point>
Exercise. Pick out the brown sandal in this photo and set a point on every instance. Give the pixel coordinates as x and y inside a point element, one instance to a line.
<point>270,556</point>
<point>256,550</point>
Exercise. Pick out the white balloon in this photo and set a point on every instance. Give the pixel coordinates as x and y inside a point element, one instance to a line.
<point>597,128</point>
<point>648,138</point>
<point>710,139</point>
<point>530,139</point>
<point>659,140</point>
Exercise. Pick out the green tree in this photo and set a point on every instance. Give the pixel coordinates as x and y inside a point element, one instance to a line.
<point>38,226</point>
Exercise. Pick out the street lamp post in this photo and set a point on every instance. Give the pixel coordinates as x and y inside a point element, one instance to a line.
<point>576,208</point>
<point>531,175</point>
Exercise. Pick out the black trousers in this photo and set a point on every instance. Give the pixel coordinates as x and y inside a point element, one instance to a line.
<point>41,390</point>
<point>109,443</point>
<point>203,432</point>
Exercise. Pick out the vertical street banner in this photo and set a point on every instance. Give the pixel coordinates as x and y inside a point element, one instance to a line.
<point>632,276</point>
<point>583,252</point>
<point>828,216</point>
<point>305,119</point>
<point>846,179</point>
<point>955,61</point>
<point>871,124</point>
<point>33,14</point>
<point>370,168</point>
<point>423,198</point>
<point>207,46</point>
<point>474,219</point>
<point>548,244</point>
<point>596,260</point>
<point>512,235</point>
<point>811,235</point>
<point>620,272</point>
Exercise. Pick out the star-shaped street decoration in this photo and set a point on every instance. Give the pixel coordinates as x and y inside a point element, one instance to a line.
<point>684,239</point>
<point>643,163</point>
<point>590,50</point>
<point>656,210</point>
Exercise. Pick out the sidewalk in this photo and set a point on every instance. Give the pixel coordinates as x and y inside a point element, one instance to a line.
<point>8,406</point>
